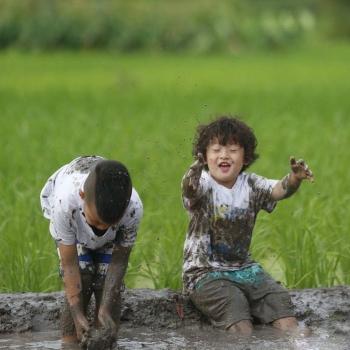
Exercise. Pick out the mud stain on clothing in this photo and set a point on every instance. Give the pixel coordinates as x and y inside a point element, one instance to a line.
<point>83,164</point>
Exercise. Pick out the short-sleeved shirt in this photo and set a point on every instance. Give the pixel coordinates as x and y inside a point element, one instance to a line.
<point>63,206</point>
<point>221,224</point>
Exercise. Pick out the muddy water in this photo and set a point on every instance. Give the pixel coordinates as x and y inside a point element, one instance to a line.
<point>150,320</point>
<point>195,339</point>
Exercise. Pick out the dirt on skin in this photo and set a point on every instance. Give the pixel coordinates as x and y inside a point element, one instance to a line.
<point>98,339</point>
<point>163,319</point>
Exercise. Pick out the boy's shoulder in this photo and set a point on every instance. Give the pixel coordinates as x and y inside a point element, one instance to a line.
<point>257,181</point>
<point>66,190</point>
<point>81,165</point>
<point>136,205</point>
<point>135,200</point>
<point>134,212</point>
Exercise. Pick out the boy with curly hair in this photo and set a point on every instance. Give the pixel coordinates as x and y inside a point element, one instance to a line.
<point>223,201</point>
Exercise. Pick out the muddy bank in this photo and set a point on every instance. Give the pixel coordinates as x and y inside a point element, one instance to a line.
<point>327,308</point>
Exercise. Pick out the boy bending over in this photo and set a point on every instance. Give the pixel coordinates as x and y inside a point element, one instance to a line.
<point>94,214</point>
<point>223,282</point>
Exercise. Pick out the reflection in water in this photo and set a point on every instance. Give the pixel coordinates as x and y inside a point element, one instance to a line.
<point>264,338</point>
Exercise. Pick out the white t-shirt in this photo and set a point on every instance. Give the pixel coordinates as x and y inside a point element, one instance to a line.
<point>221,224</point>
<point>63,206</point>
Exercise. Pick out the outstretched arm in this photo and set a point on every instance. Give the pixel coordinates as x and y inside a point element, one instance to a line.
<point>73,287</point>
<point>291,182</point>
<point>112,287</point>
<point>190,182</point>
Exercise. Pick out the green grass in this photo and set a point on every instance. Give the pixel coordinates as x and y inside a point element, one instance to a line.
<point>143,110</point>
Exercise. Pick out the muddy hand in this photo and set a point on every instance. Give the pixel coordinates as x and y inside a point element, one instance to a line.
<point>84,338</point>
<point>301,170</point>
<point>99,339</point>
<point>195,171</point>
<point>199,163</point>
<point>82,328</point>
<point>200,159</point>
<point>106,321</point>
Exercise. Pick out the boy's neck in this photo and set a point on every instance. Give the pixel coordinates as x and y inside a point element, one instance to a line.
<point>228,184</point>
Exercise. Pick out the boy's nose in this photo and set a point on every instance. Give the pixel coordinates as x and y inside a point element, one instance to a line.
<point>223,154</point>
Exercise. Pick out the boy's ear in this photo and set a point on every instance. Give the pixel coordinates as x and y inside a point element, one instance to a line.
<point>81,194</point>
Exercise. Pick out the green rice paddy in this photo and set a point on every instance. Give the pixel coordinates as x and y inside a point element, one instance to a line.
<point>143,110</point>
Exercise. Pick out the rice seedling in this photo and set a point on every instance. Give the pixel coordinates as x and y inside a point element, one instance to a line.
<point>143,110</point>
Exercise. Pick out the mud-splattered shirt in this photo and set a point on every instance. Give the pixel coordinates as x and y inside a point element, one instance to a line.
<point>221,222</point>
<point>63,206</point>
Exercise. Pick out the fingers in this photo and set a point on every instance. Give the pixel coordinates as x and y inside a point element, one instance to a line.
<point>301,169</point>
<point>84,339</point>
<point>84,325</point>
<point>83,329</point>
<point>309,174</point>
<point>298,163</point>
<point>106,321</point>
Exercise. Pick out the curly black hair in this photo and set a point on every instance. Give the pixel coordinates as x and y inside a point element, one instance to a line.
<point>227,130</point>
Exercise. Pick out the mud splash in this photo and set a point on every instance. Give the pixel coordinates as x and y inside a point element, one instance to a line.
<point>151,320</point>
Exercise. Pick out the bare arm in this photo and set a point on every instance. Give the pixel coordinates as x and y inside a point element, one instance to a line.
<point>190,182</point>
<point>73,286</point>
<point>291,182</point>
<point>112,287</point>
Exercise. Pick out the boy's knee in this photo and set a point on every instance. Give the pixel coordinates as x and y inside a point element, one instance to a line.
<point>286,324</point>
<point>244,327</point>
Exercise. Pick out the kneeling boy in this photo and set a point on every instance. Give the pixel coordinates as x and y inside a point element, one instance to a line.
<point>94,214</point>
<point>223,201</point>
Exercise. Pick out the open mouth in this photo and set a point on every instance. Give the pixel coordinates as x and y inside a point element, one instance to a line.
<point>224,166</point>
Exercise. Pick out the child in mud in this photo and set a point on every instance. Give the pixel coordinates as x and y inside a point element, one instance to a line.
<point>94,214</point>
<point>223,282</point>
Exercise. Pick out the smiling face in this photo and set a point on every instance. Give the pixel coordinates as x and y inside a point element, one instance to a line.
<point>224,162</point>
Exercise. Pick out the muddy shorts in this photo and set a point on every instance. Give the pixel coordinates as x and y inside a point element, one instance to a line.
<point>93,262</point>
<point>229,297</point>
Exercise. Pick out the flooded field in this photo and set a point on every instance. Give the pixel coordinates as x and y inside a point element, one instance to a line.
<point>196,339</point>
<point>150,321</point>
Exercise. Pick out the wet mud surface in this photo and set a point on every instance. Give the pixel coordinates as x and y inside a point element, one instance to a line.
<point>157,320</point>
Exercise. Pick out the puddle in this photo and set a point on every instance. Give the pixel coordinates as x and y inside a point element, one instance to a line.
<point>191,338</point>
<point>150,322</point>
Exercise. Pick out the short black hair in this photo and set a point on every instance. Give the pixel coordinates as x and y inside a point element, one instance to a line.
<point>227,129</point>
<point>109,187</point>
